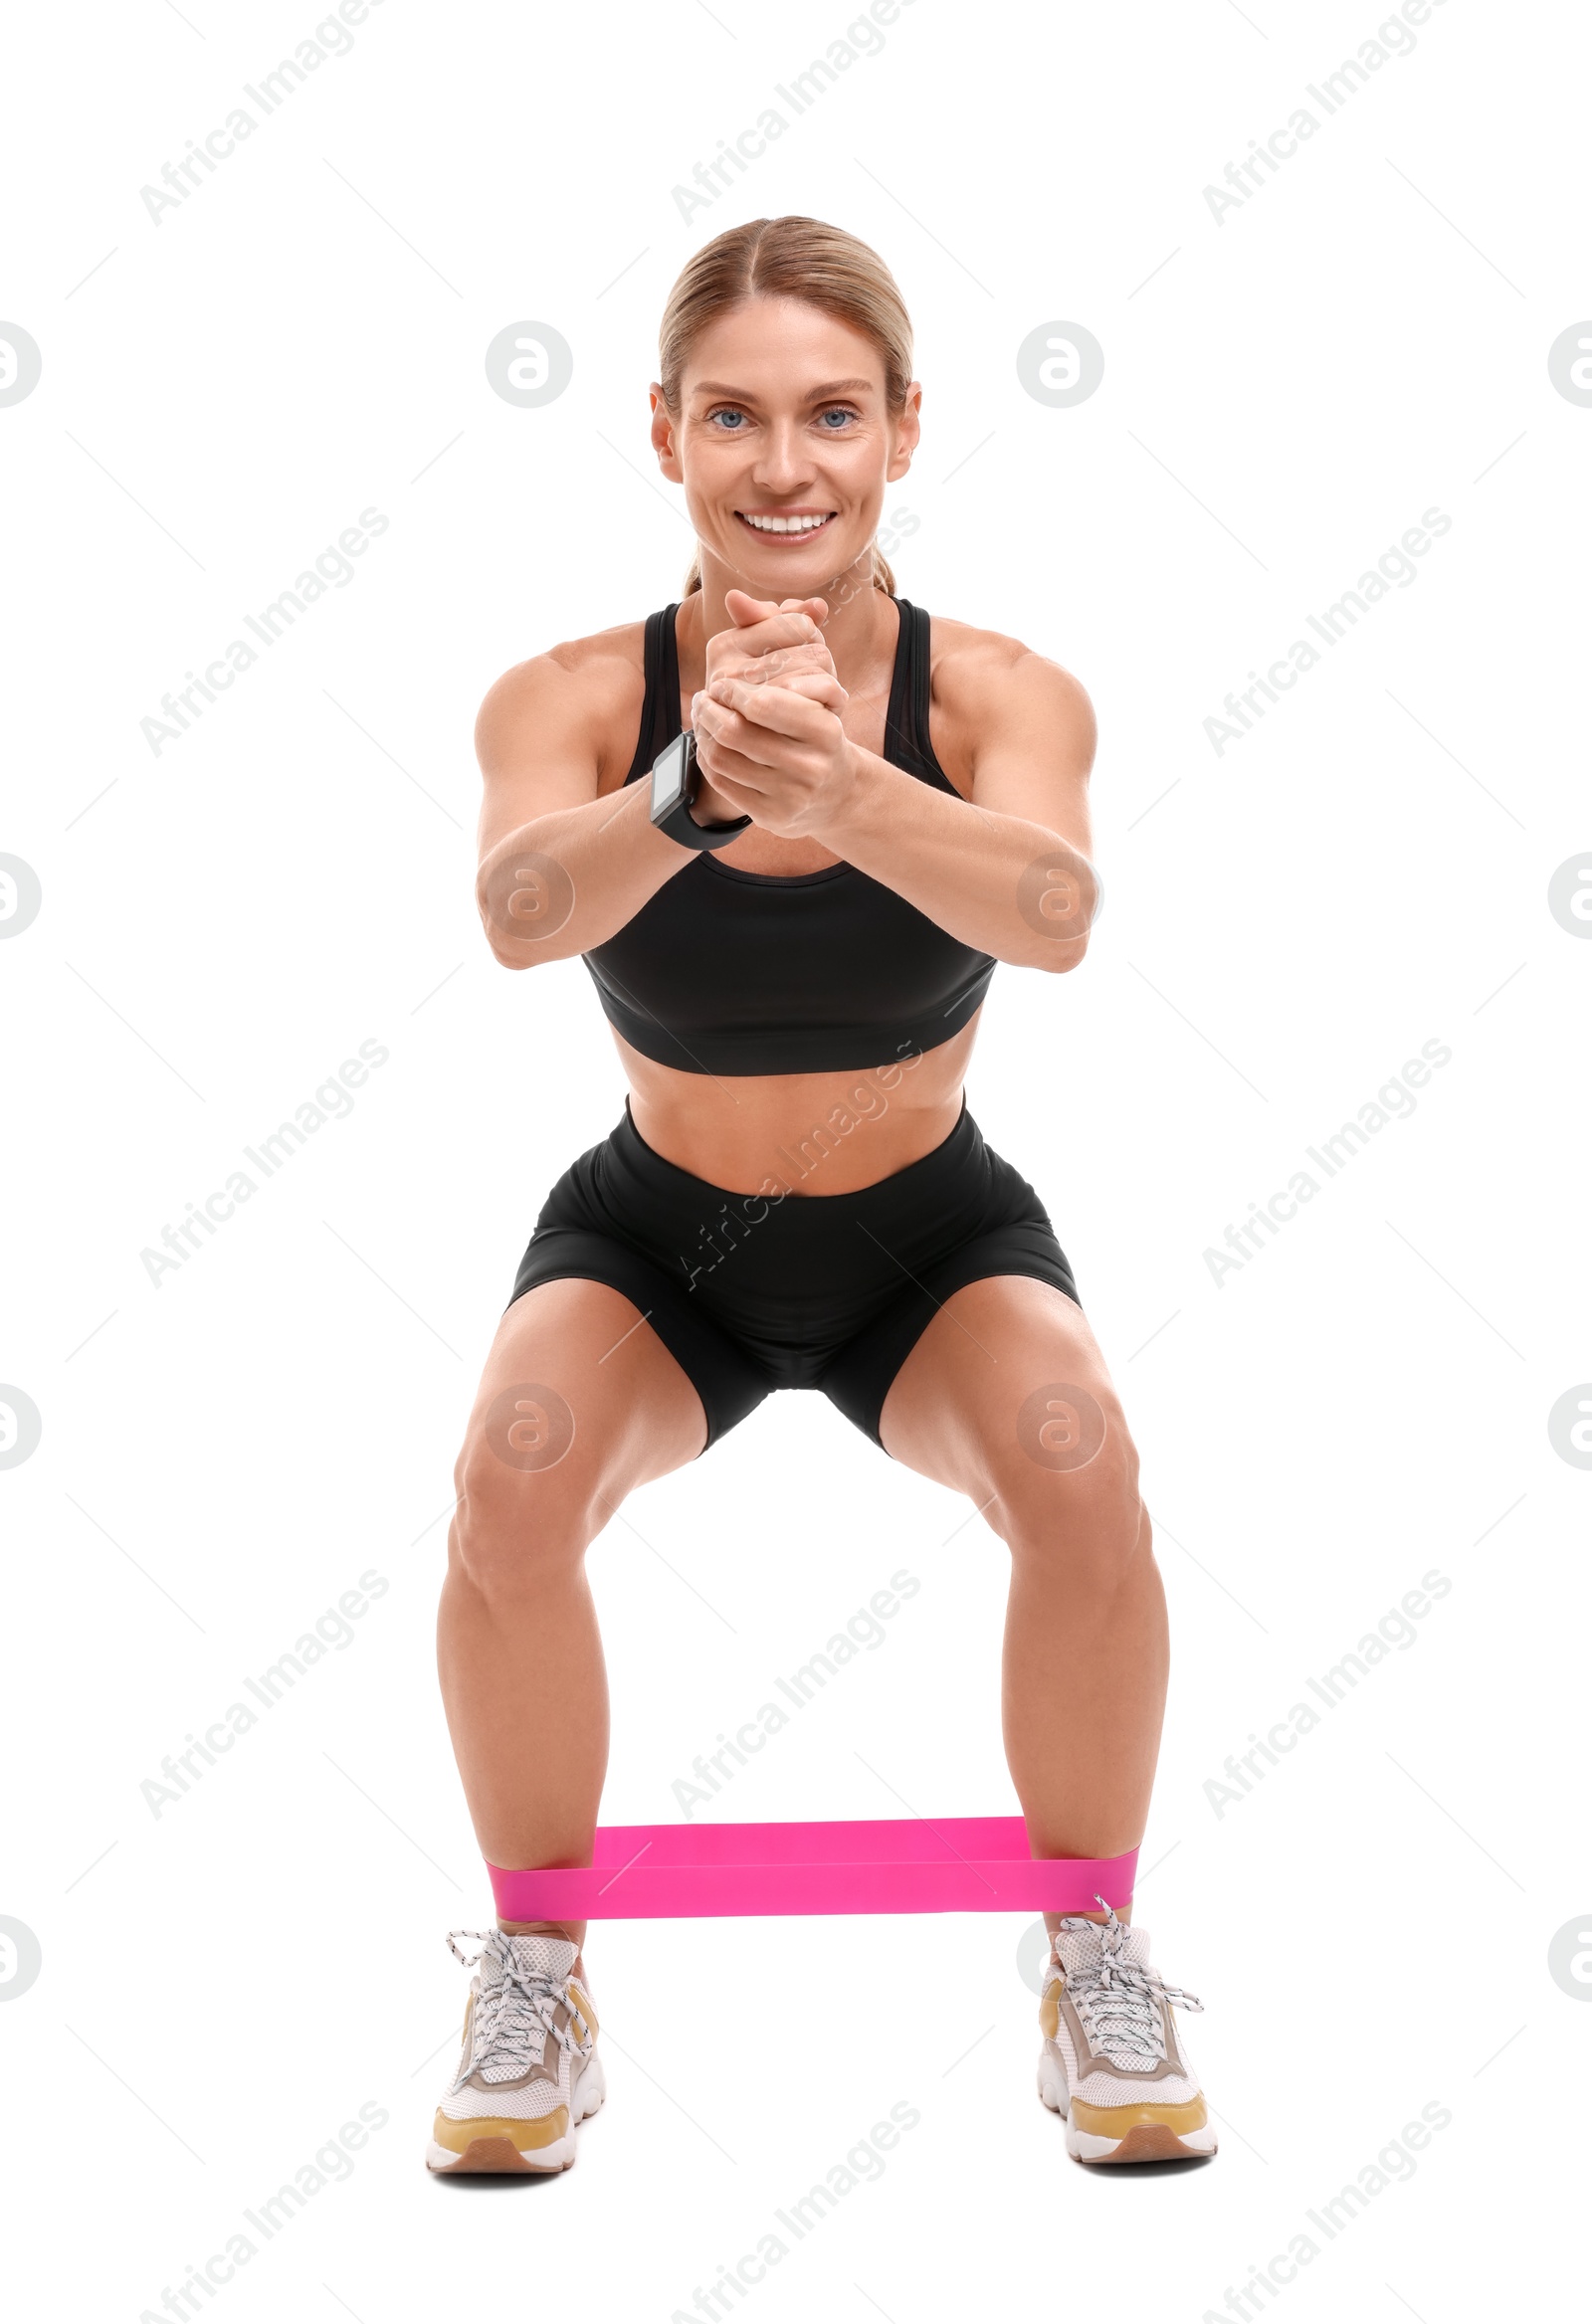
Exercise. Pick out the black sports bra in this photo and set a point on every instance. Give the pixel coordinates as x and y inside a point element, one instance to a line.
<point>723,971</point>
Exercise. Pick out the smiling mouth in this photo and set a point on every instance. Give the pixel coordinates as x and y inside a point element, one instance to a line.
<point>769,525</point>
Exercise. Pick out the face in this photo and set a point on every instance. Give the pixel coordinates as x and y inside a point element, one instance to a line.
<point>784,444</point>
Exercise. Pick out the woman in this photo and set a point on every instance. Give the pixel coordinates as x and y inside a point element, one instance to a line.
<point>792,961</point>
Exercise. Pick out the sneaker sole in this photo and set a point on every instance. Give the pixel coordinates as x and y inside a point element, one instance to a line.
<point>498,2153</point>
<point>1146,2142</point>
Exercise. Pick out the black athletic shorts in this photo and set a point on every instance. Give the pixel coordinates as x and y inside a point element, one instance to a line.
<point>803,1291</point>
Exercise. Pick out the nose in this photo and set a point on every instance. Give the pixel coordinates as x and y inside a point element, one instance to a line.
<point>783,464</point>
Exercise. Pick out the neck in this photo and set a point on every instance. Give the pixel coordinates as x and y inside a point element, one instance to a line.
<point>862,621</point>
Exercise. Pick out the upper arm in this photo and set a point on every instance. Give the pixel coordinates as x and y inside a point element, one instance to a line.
<point>1031,735</point>
<point>540,739</point>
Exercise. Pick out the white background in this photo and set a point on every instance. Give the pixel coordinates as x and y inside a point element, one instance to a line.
<point>1286,392</point>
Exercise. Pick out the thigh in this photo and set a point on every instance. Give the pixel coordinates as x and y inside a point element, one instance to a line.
<point>1006,1390</point>
<point>579,1400</point>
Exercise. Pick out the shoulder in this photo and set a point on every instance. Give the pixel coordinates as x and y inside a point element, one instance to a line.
<point>586,689</point>
<point>983,683</point>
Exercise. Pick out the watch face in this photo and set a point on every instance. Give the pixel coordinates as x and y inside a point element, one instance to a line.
<point>669,777</point>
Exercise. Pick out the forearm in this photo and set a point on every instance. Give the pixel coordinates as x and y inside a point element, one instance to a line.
<point>1006,885</point>
<point>569,880</point>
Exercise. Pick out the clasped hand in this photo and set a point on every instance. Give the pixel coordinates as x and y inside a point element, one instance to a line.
<point>769,739</point>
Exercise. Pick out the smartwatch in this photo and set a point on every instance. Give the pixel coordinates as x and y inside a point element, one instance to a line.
<point>676,780</point>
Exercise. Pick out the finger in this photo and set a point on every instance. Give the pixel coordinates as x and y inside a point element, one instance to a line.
<point>731,773</point>
<point>770,629</point>
<point>761,702</point>
<point>817,606</point>
<point>718,727</point>
<point>742,606</point>
<point>743,609</point>
<point>779,668</point>
<point>817,684</point>
<point>729,769</point>
<point>778,708</point>
<point>724,737</point>
<point>757,754</point>
<point>731,657</point>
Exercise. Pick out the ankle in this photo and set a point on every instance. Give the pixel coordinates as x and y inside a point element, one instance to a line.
<point>1124,1913</point>
<point>573,1932</point>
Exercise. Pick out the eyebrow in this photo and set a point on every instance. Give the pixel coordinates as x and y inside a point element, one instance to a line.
<point>815,394</point>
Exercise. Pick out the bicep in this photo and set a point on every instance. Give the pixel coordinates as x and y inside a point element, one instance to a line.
<point>538,748</point>
<point>1035,747</point>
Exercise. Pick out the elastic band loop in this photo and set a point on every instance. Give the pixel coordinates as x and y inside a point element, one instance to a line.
<point>713,1871</point>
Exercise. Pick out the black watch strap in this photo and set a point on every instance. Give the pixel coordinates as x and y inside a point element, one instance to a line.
<point>680,824</point>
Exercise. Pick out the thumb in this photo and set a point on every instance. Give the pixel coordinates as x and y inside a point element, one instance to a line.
<point>743,609</point>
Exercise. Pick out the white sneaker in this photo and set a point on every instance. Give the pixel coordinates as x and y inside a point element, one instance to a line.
<point>529,2070</point>
<point>1111,2061</point>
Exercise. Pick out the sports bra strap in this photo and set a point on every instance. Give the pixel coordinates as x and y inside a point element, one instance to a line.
<point>660,710</point>
<point>906,718</point>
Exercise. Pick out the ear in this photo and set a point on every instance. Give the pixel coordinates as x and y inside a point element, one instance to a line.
<point>664,435</point>
<point>908,429</point>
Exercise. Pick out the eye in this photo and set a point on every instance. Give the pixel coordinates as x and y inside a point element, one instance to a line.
<point>841,413</point>
<point>729,413</point>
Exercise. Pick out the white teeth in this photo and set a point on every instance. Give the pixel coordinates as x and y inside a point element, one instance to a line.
<point>784,523</point>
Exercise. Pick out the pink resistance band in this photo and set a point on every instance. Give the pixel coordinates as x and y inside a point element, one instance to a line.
<point>710,1872</point>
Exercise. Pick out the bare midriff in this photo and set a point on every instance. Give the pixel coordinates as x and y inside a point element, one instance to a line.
<point>815,1133</point>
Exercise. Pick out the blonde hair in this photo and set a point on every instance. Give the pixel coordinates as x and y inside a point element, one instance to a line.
<point>788,257</point>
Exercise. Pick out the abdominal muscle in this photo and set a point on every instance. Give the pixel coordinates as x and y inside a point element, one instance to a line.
<point>809,1133</point>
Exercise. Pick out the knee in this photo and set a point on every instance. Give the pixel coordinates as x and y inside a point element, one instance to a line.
<point>514,1529</point>
<point>1067,1490</point>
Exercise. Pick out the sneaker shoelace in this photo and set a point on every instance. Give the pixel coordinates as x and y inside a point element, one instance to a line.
<point>508,2016</point>
<point>1118,2001</point>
